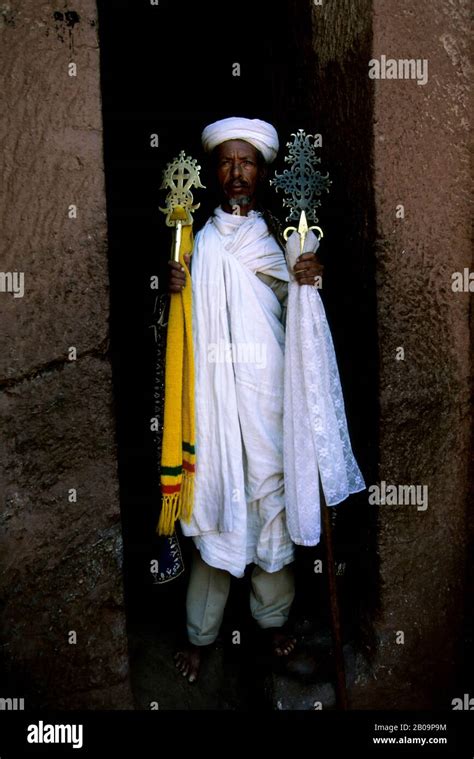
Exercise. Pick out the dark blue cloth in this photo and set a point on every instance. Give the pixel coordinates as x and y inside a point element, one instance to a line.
<point>170,559</point>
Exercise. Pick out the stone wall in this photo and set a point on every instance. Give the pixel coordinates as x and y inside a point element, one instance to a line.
<point>422,161</point>
<point>415,144</point>
<point>61,553</point>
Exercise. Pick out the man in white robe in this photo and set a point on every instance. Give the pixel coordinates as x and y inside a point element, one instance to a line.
<point>239,279</point>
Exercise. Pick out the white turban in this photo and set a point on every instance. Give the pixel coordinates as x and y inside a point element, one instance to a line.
<point>260,134</point>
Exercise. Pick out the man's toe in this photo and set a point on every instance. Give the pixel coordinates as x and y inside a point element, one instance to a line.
<point>285,647</point>
<point>181,665</point>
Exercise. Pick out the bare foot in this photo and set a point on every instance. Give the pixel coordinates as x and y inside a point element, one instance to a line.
<point>282,642</point>
<point>187,661</point>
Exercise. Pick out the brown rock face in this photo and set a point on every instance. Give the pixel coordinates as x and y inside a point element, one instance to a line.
<point>421,161</point>
<point>63,627</point>
<point>405,143</point>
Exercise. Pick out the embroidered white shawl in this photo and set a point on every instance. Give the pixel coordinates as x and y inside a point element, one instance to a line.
<point>316,438</point>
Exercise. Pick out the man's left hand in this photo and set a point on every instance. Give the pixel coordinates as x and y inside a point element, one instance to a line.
<point>307,268</point>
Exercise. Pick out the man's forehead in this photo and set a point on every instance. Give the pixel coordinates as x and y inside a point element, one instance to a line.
<point>241,147</point>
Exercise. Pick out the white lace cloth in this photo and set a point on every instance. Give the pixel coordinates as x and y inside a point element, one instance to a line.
<point>315,435</point>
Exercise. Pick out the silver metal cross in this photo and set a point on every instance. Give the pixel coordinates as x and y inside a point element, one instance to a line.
<point>302,183</point>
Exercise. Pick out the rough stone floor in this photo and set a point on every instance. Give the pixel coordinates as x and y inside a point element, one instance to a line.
<point>232,677</point>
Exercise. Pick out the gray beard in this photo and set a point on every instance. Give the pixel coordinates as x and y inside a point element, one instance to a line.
<point>242,200</point>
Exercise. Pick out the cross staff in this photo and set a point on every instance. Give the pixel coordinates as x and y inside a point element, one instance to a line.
<point>178,177</point>
<point>178,455</point>
<point>304,184</point>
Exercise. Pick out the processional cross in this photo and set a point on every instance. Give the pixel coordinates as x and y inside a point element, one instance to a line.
<point>303,183</point>
<point>179,176</point>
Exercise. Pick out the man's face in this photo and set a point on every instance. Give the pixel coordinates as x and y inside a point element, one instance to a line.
<point>239,173</point>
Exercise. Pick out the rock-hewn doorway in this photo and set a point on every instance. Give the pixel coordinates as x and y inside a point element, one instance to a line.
<point>167,72</point>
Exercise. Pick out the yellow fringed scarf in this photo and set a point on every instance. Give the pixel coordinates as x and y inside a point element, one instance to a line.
<point>178,452</point>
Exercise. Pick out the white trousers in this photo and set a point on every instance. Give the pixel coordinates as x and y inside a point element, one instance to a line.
<point>271,596</point>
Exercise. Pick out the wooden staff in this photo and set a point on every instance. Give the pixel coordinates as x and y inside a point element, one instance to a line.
<point>341,689</point>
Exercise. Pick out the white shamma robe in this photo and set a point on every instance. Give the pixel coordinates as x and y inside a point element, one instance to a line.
<point>239,505</point>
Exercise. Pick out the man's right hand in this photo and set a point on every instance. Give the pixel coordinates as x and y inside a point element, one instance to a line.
<point>177,278</point>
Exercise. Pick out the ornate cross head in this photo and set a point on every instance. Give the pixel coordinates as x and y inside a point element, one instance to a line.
<point>178,177</point>
<point>302,182</point>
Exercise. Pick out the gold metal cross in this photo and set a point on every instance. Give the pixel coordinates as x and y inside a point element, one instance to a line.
<point>302,230</point>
